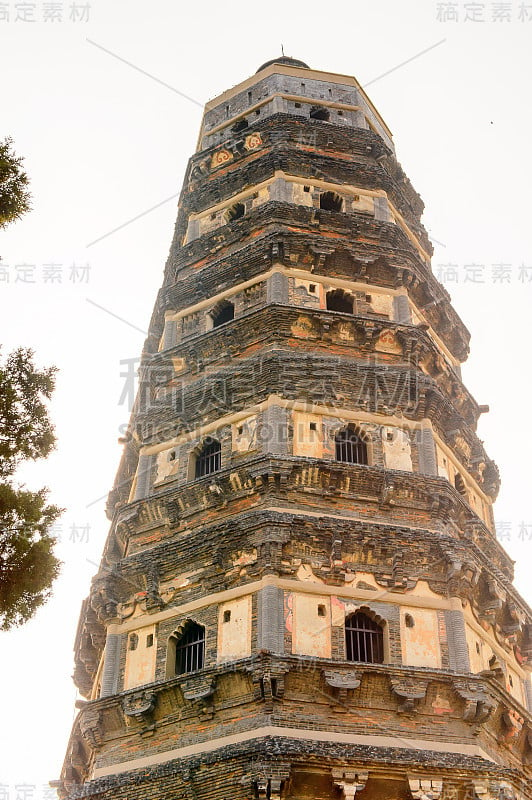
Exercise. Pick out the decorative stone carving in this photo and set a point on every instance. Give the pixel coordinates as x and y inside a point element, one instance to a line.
<point>425,788</point>
<point>220,158</point>
<point>528,750</point>
<point>490,601</point>
<point>200,689</point>
<point>462,577</point>
<point>253,141</point>
<point>90,726</point>
<point>513,724</point>
<point>478,705</point>
<point>268,778</point>
<point>350,781</point>
<point>342,685</point>
<point>139,706</point>
<point>104,597</point>
<point>486,789</point>
<point>526,646</point>
<point>409,691</point>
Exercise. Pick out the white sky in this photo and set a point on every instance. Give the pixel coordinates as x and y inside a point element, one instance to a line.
<point>104,143</point>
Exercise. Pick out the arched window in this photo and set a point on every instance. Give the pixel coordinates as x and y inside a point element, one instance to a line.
<point>209,458</point>
<point>364,639</point>
<point>338,300</point>
<point>235,212</point>
<point>224,312</point>
<point>351,447</point>
<point>318,112</point>
<point>330,201</point>
<point>190,649</point>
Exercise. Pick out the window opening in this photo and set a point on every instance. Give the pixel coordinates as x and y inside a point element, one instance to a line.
<point>209,459</point>
<point>241,125</point>
<point>351,448</point>
<point>224,312</point>
<point>235,212</point>
<point>330,201</point>
<point>318,112</point>
<point>190,649</point>
<point>364,640</point>
<point>338,300</point>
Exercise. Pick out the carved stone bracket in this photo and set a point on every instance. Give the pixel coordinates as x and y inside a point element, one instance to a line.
<point>409,691</point>
<point>90,726</point>
<point>462,577</point>
<point>139,707</point>
<point>526,646</point>
<point>528,751</point>
<point>425,788</point>
<point>513,725</point>
<point>200,690</point>
<point>104,597</point>
<point>478,705</point>
<point>487,789</point>
<point>268,684</point>
<point>349,781</point>
<point>491,601</point>
<point>342,685</point>
<point>268,779</point>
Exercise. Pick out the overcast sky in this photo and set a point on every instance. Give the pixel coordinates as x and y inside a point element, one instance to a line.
<point>106,142</point>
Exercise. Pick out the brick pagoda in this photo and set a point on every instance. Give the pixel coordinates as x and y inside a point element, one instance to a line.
<point>301,595</point>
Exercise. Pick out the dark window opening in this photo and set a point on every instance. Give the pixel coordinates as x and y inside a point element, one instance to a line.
<point>338,300</point>
<point>330,201</point>
<point>364,640</point>
<point>241,125</point>
<point>257,111</point>
<point>409,621</point>
<point>340,113</point>
<point>133,641</point>
<point>235,212</point>
<point>313,426</point>
<point>190,649</point>
<point>227,112</point>
<point>306,188</point>
<point>227,616</point>
<point>317,112</point>
<point>297,105</point>
<point>209,459</point>
<point>477,647</point>
<point>224,312</point>
<point>321,611</point>
<point>172,455</point>
<point>351,448</point>
<point>312,288</point>
<point>149,640</point>
<point>250,96</point>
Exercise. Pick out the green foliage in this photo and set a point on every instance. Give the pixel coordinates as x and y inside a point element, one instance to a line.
<point>28,565</point>
<point>14,196</point>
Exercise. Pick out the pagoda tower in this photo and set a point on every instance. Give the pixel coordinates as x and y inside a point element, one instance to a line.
<point>301,595</point>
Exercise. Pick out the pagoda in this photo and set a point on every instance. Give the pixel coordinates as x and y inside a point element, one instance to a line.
<point>301,596</point>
